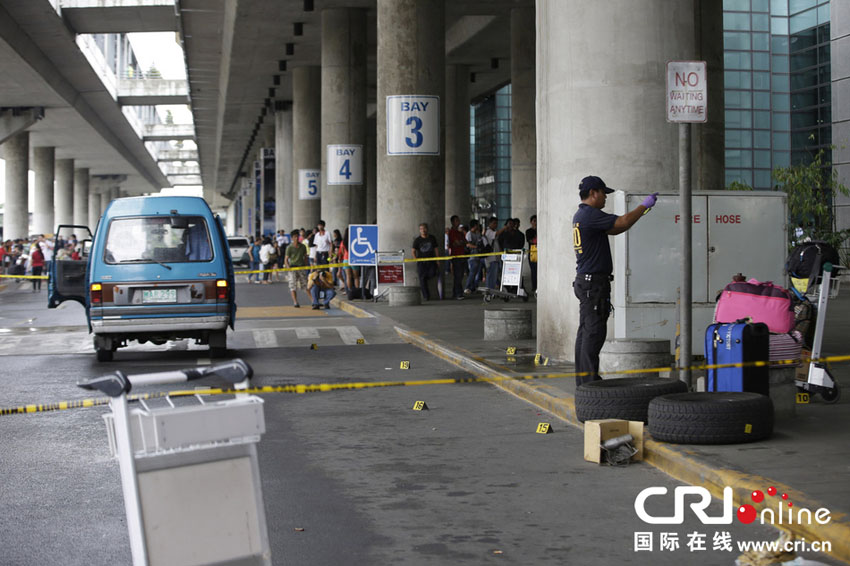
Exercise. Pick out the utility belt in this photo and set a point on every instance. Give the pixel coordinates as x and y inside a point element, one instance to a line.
<point>594,277</point>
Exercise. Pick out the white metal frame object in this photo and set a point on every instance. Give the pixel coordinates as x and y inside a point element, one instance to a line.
<point>819,375</point>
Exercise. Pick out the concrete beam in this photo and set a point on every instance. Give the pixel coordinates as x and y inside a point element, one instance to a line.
<point>171,155</point>
<point>120,16</point>
<point>14,120</point>
<point>168,132</point>
<point>184,180</point>
<point>171,169</point>
<point>150,92</point>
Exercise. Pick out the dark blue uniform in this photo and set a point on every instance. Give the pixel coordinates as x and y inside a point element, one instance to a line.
<point>592,286</point>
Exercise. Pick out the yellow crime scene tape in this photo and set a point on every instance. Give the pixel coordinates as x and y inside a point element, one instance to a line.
<point>24,276</point>
<point>333,265</point>
<point>327,387</point>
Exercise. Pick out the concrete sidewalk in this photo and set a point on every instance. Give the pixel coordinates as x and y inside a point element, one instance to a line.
<point>807,456</point>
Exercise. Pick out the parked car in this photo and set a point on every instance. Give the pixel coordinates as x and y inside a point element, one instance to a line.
<point>239,248</point>
<point>158,269</point>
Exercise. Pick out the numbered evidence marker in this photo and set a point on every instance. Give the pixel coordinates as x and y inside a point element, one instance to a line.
<point>544,428</point>
<point>405,365</point>
<point>413,125</point>
<point>309,184</point>
<point>541,360</point>
<point>420,406</point>
<point>510,350</point>
<point>361,341</point>
<point>345,165</point>
<point>802,398</point>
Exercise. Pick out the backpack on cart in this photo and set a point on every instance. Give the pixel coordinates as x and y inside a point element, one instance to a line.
<point>806,261</point>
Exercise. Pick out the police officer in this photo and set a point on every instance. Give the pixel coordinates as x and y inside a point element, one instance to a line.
<point>594,267</point>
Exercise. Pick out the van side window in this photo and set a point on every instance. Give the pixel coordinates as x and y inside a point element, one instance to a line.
<point>172,239</point>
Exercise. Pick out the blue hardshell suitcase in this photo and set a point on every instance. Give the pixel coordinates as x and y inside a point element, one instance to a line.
<point>737,343</point>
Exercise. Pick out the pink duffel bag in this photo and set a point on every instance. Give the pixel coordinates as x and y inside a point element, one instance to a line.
<point>758,301</point>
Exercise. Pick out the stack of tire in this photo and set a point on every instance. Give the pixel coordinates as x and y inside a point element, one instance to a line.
<point>676,415</point>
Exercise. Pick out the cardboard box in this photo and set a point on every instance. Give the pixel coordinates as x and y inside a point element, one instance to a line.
<point>597,432</point>
<point>802,373</point>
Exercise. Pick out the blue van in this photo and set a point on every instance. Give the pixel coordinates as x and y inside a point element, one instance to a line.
<point>157,269</point>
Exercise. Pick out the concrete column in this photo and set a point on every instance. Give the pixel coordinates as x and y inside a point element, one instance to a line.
<point>105,197</point>
<point>114,193</point>
<point>523,129</point>
<point>81,197</point>
<point>343,108</point>
<point>16,210</point>
<point>371,173</point>
<point>246,212</point>
<point>63,195</point>
<point>94,209</point>
<point>708,157</point>
<point>411,60</point>
<point>231,223</point>
<point>307,140</point>
<point>43,162</point>
<point>458,198</point>
<point>605,124</point>
<point>283,166</point>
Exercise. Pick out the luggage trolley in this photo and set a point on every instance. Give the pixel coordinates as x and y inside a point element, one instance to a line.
<point>189,474</point>
<point>512,262</point>
<point>819,379</point>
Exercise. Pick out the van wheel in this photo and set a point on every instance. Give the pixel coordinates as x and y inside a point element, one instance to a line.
<point>218,344</point>
<point>104,355</point>
<point>726,417</point>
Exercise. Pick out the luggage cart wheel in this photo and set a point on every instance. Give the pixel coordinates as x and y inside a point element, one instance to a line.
<point>488,297</point>
<point>830,394</point>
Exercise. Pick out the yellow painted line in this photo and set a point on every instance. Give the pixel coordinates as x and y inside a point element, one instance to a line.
<point>351,308</point>
<point>278,312</point>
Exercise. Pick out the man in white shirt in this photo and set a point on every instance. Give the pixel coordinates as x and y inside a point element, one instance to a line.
<point>324,242</point>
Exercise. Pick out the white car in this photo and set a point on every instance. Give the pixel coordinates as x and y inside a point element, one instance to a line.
<point>239,247</point>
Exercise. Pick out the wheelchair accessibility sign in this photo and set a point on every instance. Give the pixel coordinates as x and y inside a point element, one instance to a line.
<point>362,244</point>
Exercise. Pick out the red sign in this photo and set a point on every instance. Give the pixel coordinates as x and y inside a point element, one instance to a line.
<point>388,274</point>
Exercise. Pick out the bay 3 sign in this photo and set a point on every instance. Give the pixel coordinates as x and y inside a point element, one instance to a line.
<point>687,91</point>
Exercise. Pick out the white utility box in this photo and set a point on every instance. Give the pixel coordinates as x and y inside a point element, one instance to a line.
<point>733,232</point>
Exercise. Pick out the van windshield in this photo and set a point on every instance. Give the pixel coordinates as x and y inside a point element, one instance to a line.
<point>154,239</point>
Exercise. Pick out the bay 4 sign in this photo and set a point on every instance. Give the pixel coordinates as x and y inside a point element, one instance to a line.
<point>413,125</point>
<point>784,514</point>
<point>345,165</point>
<point>687,91</point>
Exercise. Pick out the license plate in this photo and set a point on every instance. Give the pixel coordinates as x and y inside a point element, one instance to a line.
<point>159,295</point>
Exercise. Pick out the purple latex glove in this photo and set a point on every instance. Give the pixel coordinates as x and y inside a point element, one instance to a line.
<point>649,201</point>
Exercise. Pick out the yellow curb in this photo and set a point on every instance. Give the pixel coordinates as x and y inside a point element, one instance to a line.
<point>351,308</point>
<point>669,459</point>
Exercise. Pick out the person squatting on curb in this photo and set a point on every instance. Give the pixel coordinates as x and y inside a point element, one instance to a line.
<point>594,268</point>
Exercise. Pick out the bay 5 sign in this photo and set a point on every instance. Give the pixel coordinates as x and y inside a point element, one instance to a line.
<point>309,184</point>
<point>413,125</point>
<point>687,91</point>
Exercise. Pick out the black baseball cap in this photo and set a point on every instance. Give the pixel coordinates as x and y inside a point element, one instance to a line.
<point>592,182</point>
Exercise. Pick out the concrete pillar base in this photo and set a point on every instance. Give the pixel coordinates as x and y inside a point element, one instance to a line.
<point>405,296</point>
<point>783,392</point>
<point>635,353</point>
<point>504,324</point>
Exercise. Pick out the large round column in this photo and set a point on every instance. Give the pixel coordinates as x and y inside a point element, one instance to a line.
<point>43,162</point>
<point>63,195</point>
<point>16,211</point>
<point>306,145</point>
<point>411,61</point>
<point>370,171</point>
<point>105,197</point>
<point>81,197</point>
<point>599,112</point>
<point>343,109</point>
<point>94,209</point>
<point>283,165</point>
<point>458,197</point>
<point>523,128</point>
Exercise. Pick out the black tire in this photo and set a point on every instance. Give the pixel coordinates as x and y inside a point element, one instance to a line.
<point>218,344</point>
<point>104,355</point>
<point>711,418</point>
<point>831,396</point>
<point>622,398</point>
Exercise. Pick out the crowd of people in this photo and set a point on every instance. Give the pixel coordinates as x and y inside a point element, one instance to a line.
<point>321,246</point>
<point>34,255</point>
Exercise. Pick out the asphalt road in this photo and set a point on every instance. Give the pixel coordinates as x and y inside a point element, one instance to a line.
<point>349,477</point>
